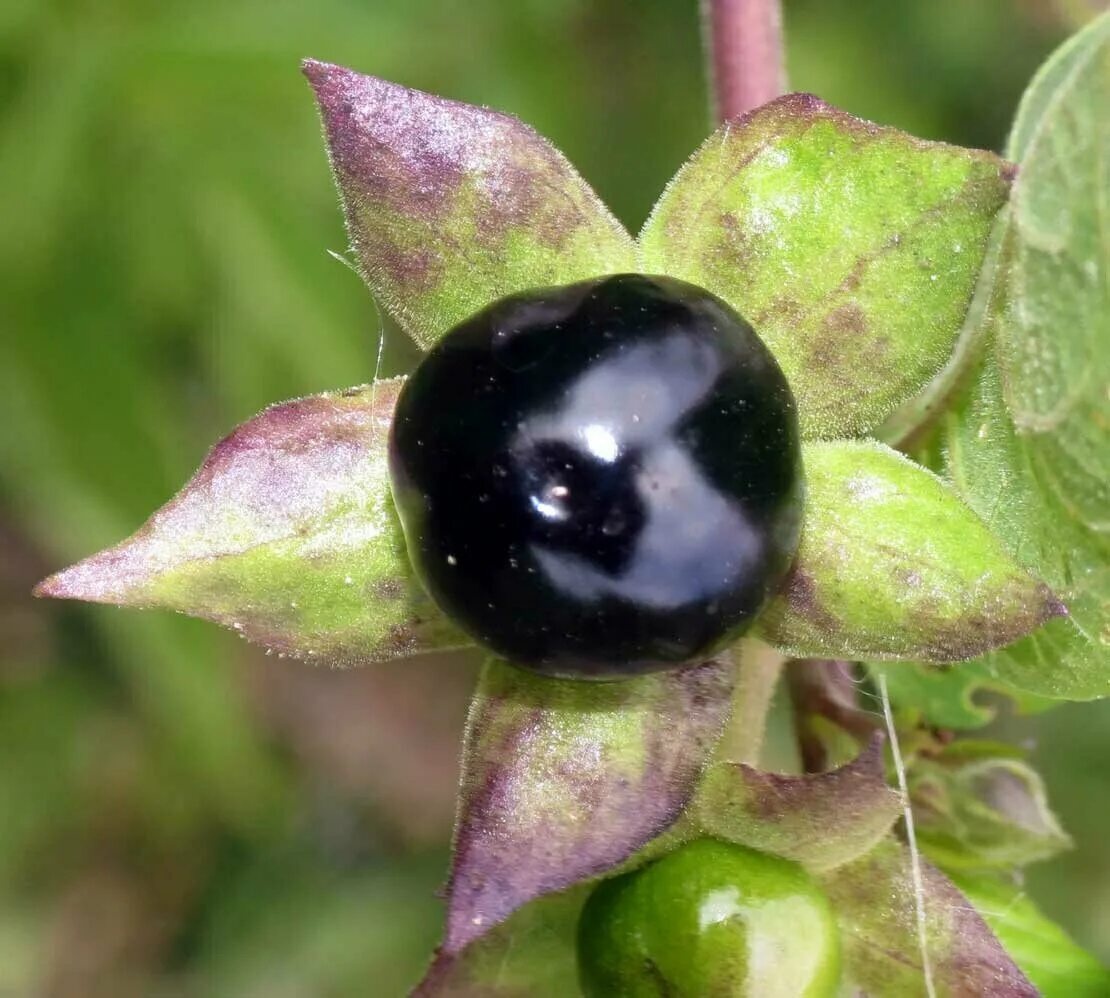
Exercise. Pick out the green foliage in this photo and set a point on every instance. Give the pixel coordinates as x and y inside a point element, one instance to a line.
<point>287,534</point>
<point>979,809</point>
<point>893,565</point>
<point>852,249</point>
<point>957,697</point>
<point>451,207</point>
<point>1029,446</point>
<point>1048,956</point>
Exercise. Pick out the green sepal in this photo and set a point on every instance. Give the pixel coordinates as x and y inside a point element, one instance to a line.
<point>1049,957</point>
<point>450,207</point>
<point>977,807</point>
<point>893,565</point>
<point>852,249</point>
<point>565,780</point>
<point>288,535</point>
<point>531,953</point>
<point>876,903</point>
<point>792,816</point>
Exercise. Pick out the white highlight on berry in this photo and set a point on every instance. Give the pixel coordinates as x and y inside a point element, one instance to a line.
<point>600,442</point>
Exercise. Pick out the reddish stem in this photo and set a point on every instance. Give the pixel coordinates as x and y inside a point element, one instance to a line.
<point>744,46</point>
<point>825,688</point>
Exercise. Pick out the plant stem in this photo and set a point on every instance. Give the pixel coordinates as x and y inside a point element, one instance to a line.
<point>743,41</point>
<point>758,667</point>
<point>824,689</point>
<point>743,44</point>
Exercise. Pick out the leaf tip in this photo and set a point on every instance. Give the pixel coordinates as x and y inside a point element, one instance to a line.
<point>801,102</point>
<point>50,588</point>
<point>341,91</point>
<point>318,73</point>
<point>793,105</point>
<point>1053,606</point>
<point>92,580</point>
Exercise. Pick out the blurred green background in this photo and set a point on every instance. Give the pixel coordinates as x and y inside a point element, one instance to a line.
<point>179,815</point>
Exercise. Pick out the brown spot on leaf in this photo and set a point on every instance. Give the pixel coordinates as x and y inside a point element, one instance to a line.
<point>391,588</point>
<point>1016,612</point>
<point>800,590</point>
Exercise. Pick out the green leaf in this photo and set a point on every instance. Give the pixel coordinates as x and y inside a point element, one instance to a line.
<point>1054,79</point>
<point>957,697</point>
<point>1048,956</point>
<point>1029,448</point>
<point>977,812</point>
<point>1026,486</point>
<point>892,564</point>
<point>287,534</point>
<point>792,816</point>
<point>450,207</point>
<point>876,906</point>
<point>852,249</point>
<point>564,780</point>
<point>533,953</point>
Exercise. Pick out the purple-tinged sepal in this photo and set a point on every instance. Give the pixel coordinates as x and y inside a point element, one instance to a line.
<point>287,534</point>
<point>792,816</point>
<point>450,207</point>
<point>979,806</point>
<point>915,939</point>
<point>563,781</point>
<point>892,564</point>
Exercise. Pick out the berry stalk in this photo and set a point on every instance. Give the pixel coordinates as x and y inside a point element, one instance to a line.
<point>743,41</point>
<point>747,68</point>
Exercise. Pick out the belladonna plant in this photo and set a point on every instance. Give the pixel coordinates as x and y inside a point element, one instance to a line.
<point>842,403</point>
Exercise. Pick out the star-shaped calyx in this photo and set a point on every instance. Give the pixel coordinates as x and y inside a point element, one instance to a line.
<point>854,251</point>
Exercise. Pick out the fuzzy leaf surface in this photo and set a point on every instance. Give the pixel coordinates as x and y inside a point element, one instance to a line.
<point>852,249</point>
<point>564,780</point>
<point>1030,446</point>
<point>876,908</point>
<point>981,810</point>
<point>287,534</point>
<point>791,816</point>
<point>450,206</point>
<point>1049,957</point>
<point>1031,511</point>
<point>892,564</point>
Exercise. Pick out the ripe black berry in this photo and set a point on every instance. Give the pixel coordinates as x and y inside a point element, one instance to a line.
<point>601,479</point>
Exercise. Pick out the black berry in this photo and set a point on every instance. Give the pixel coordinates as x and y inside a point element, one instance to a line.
<point>601,479</point>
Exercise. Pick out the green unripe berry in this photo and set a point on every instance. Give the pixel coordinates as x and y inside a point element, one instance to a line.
<point>710,919</point>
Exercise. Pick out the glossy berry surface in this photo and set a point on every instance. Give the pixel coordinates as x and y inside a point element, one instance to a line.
<point>601,479</point>
<point>711,918</point>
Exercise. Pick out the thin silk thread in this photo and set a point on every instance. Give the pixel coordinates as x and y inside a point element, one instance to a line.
<point>911,838</point>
